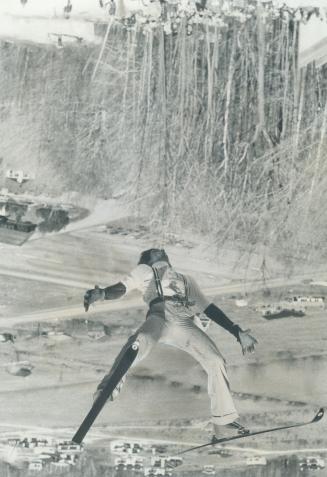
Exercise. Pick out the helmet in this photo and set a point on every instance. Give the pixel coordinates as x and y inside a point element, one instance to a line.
<point>153,255</point>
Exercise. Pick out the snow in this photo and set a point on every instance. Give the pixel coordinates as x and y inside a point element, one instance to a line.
<point>37,18</point>
<point>40,30</point>
<point>104,211</point>
<point>311,33</point>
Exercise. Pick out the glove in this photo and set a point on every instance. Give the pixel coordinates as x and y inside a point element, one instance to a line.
<point>93,295</point>
<point>246,341</point>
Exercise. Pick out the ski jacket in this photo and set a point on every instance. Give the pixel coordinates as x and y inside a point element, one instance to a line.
<point>180,292</point>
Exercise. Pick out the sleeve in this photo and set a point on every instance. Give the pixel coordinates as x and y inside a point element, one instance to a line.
<point>196,295</point>
<point>136,279</point>
<point>210,309</point>
<point>219,317</point>
<point>114,291</point>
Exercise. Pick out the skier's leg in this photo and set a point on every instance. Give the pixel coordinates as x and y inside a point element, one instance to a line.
<point>137,346</point>
<point>145,338</point>
<point>188,337</point>
<point>105,392</point>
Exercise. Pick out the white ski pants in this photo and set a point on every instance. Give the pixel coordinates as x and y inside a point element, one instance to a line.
<point>187,336</point>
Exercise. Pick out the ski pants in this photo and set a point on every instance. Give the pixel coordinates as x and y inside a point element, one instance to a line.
<point>185,335</point>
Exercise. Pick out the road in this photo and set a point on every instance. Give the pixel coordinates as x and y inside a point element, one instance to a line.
<point>64,313</point>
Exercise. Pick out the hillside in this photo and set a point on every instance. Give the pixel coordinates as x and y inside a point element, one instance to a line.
<point>205,131</point>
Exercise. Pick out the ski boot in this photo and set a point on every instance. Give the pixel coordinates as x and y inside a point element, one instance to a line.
<point>229,430</point>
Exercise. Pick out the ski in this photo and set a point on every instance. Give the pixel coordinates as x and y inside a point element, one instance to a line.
<point>215,441</point>
<point>98,404</point>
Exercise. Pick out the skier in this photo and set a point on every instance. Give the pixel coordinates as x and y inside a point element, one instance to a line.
<point>174,299</point>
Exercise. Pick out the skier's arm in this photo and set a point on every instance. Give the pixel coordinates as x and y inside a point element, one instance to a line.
<point>218,316</point>
<point>109,293</point>
<point>210,309</point>
<point>246,340</point>
<point>112,292</point>
<point>214,313</point>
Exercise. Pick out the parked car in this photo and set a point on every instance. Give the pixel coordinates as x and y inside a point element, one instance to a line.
<point>256,460</point>
<point>152,472</point>
<point>158,461</point>
<point>317,460</point>
<point>120,466</point>
<point>208,470</point>
<point>117,447</point>
<point>138,467</point>
<point>4,337</point>
<point>222,452</point>
<point>174,461</point>
<point>159,449</point>
<point>138,446</point>
<point>312,463</point>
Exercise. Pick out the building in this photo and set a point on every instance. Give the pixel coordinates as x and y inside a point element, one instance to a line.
<point>69,447</point>
<point>18,176</point>
<point>61,464</point>
<point>35,465</point>
<point>307,301</point>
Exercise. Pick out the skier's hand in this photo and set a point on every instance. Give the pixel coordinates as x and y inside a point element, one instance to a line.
<point>93,295</point>
<point>247,341</point>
